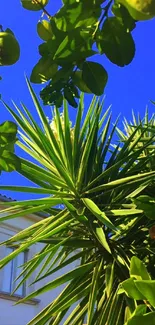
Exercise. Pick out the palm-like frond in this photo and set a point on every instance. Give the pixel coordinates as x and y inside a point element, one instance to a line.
<point>89,208</point>
<point>144,134</point>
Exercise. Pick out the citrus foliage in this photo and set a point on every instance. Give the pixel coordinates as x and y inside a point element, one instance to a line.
<point>70,39</point>
<point>78,31</point>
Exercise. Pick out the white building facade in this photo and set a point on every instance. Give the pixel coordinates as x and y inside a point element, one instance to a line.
<point>20,314</point>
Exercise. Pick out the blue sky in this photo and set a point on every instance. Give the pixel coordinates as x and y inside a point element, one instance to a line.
<point>128,88</point>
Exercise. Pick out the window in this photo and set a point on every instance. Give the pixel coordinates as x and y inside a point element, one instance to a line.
<point>11,272</point>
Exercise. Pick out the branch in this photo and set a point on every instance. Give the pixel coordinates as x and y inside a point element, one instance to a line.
<point>106,9</point>
<point>43,9</point>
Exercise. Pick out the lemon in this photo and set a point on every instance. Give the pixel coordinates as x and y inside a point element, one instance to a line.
<point>34,5</point>
<point>140,9</point>
<point>9,49</point>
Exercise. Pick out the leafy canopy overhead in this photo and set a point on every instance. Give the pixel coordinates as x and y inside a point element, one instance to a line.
<point>77,32</point>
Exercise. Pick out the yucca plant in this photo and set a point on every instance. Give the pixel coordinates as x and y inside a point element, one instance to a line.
<point>91,218</point>
<point>145,133</point>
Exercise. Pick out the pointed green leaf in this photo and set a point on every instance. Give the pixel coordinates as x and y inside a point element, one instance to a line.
<point>81,270</point>
<point>109,278</point>
<point>93,291</point>
<point>101,216</point>
<point>100,235</point>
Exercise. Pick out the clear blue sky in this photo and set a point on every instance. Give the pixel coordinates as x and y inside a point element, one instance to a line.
<point>128,88</point>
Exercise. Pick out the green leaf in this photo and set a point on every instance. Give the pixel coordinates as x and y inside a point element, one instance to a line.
<point>138,269</point>
<point>122,181</point>
<point>72,259</point>
<point>63,73</point>
<point>74,89</point>
<point>147,204</point>
<point>76,313</point>
<point>71,242</point>
<point>44,30</point>
<point>52,44</point>
<point>130,288</point>
<point>52,96</point>
<point>77,45</point>
<point>8,131</point>
<point>140,310</point>
<point>37,190</point>
<point>147,288</point>
<point>76,14</point>
<point>9,161</point>
<point>146,319</point>
<point>100,235</point>
<point>109,278</point>
<point>43,49</point>
<point>122,14</point>
<point>116,43</point>
<point>44,70</point>
<point>98,213</point>
<point>123,212</point>
<point>93,291</point>
<point>69,96</point>
<point>79,82</point>
<point>94,76</point>
<point>81,270</point>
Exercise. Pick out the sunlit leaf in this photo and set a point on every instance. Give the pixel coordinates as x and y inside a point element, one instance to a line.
<point>44,70</point>
<point>138,269</point>
<point>44,30</point>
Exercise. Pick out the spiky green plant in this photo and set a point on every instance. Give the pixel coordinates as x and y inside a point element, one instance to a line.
<point>145,133</point>
<point>92,218</point>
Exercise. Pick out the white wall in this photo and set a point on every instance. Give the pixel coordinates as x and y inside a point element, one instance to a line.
<point>16,315</point>
<point>21,314</point>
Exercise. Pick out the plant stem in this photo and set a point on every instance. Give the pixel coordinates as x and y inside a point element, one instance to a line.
<point>106,8</point>
<point>43,9</point>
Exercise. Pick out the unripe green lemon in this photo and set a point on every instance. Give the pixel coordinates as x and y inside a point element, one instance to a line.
<point>9,49</point>
<point>33,5</point>
<point>140,9</point>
